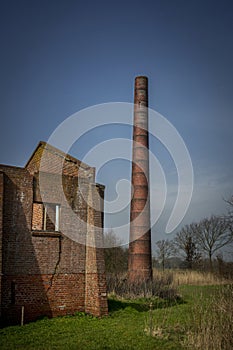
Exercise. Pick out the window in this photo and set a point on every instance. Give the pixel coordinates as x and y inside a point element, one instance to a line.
<point>46,217</point>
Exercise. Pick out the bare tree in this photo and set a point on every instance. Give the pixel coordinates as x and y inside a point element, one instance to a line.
<point>116,256</point>
<point>186,243</point>
<point>212,234</point>
<point>229,216</point>
<point>166,249</point>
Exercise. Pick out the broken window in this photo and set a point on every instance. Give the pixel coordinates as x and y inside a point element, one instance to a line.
<point>45,217</point>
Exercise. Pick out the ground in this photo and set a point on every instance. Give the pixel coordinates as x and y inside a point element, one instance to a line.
<point>131,324</point>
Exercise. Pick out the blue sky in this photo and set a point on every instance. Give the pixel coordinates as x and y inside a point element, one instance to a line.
<point>58,57</point>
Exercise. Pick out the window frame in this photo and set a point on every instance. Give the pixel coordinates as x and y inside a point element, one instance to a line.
<point>57,211</point>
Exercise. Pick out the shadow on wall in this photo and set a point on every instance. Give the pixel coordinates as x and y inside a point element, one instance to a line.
<point>22,282</point>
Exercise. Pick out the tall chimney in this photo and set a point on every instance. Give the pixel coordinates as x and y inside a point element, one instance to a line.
<point>139,263</point>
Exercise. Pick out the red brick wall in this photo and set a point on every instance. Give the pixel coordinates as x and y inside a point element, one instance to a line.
<point>37,216</point>
<point>96,297</point>
<point>35,293</point>
<point>47,269</point>
<point>54,160</point>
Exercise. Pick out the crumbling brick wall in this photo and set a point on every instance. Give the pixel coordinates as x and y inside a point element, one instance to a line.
<point>56,160</point>
<point>46,271</point>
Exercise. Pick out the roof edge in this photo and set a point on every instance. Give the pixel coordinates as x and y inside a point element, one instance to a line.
<point>66,156</point>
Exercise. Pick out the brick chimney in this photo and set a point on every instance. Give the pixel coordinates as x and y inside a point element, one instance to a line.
<point>139,263</point>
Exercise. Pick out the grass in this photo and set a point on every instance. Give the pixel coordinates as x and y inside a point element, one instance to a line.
<point>143,323</point>
<point>124,328</point>
<point>189,277</point>
<point>211,326</point>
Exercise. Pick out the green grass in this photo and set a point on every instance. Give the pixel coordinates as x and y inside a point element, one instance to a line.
<point>128,326</point>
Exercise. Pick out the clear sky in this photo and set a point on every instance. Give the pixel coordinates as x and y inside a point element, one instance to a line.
<point>58,57</point>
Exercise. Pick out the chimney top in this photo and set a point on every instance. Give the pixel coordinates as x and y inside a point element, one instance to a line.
<point>141,82</point>
<point>141,77</point>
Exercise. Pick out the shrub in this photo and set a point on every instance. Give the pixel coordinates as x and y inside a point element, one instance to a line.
<point>161,286</point>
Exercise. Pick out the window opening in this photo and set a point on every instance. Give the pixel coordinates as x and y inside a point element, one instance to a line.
<point>46,217</point>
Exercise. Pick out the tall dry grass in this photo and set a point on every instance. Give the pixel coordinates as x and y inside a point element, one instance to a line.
<point>212,323</point>
<point>164,283</point>
<point>161,286</point>
<point>191,277</point>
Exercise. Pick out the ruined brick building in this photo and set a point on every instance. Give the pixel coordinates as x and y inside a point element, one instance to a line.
<point>41,268</point>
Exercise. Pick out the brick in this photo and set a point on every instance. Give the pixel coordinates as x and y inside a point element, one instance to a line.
<point>48,272</point>
<point>140,262</point>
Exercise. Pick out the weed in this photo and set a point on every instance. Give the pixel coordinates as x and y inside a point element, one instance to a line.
<point>200,318</point>
<point>212,323</point>
<point>191,277</point>
<point>161,286</point>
